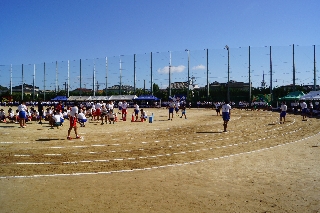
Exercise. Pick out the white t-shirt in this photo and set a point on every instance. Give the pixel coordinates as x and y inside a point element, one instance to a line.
<point>57,118</point>
<point>303,105</point>
<point>73,111</point>
<point>81,116</point>
<point>226,108</point>
<point>283,108</point>
<point>124,105</point>
<point>22,107</point>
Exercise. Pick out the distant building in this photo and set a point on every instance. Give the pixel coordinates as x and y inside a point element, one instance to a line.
<point>115,89</point>
<point>232,85</point>
<point>27,89</point>
<point>304,87</point>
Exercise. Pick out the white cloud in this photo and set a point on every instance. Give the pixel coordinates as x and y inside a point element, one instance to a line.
<point>199,67</point>
<point>174,69</point>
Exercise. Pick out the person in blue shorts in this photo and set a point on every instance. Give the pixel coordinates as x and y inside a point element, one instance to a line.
<point>226,112</point>
<point>22,114</point>
<point>171,107</point>
<point>283,112</point>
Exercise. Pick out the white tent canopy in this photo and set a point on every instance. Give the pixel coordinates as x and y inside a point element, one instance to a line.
<point>312,95</point>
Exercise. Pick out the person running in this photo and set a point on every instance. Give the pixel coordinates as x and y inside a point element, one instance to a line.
<point>283,112</point>
<point>73,122</point>
<point>22,114</point>
<point>226,112</point>
<point>183,112</point>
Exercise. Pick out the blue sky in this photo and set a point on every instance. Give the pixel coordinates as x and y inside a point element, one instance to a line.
<point>34,32</point>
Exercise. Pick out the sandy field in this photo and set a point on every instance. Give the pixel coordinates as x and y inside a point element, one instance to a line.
<point>183,165</point>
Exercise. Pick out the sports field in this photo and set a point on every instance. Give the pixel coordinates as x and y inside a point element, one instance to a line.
<point>183,165</point>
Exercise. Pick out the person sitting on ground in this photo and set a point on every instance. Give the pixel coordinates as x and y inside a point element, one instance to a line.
<point>111,116</point>
<point>82,119</point>
<point>2,116</point>
<point>56,119</point>
<point>143,115</point>
<point>10,115</point>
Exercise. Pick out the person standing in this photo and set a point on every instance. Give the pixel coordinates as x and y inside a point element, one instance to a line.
<point>22,114</point>
<point>73,122</point>
<point>136,111</point>
<point>303,106</point>
<point>171,107</point>
<point>283,112</point>
<point>226,112</point>
<point>311,108</point>
<point>124,110</point>
<point>40,110</point>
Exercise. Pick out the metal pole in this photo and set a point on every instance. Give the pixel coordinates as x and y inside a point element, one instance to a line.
<point>106,76</point>
<point>68,83</point>
<point>22,85</point>
<point>314,69</point>
<point>120,78</point>
<point>271,74</point>
<point>151,73</point>
<point>134,73</point>
<point>94,78</point>
<point>56,77</point>
<point>228,84</point>
<point>44,81</point>
<point>250,87</point>
<point>294,70</point>
<point>207,75</point>
<point>188,90</point>
<point>11,80</point>
<point>170,76</point>
<point>34,79</point>
<point>80,78</point>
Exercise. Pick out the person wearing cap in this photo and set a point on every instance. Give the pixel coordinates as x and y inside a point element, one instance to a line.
<point>226,112</point>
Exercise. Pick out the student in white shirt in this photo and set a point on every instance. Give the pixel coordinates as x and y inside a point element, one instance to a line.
<point>283,112</point>
<point>226,112</point>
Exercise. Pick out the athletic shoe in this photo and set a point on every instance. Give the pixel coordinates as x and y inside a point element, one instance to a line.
<point>78,137</point>
<point>69,138</point>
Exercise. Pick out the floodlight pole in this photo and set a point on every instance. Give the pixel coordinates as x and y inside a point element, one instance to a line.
<point>170,75</point>
<point>151,73</point>
<point>314,69</point>
<point>250,88</point>
<point>271,74</point>
<point>228,98</point>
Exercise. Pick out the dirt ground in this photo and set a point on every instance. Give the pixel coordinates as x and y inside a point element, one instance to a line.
<point>183,165</point>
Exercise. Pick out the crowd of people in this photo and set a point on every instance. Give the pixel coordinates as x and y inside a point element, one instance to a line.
<point>79,113</point>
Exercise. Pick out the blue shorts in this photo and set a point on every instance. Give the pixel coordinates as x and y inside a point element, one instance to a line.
<point>304,110</point>
<point>82,120</point>
<point>22,115</point>
<point>283,114</point>
<point>170,110</point>
<point>226,116</point>
<point>136,111</point>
